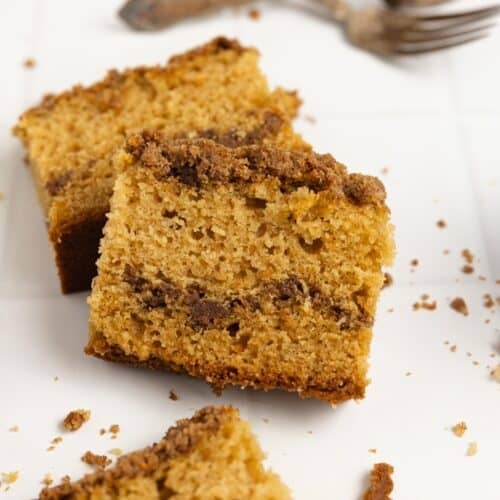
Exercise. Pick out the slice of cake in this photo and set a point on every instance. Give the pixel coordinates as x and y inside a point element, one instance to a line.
<point>212,456</point>
<point>215,91</point>
<point>251,266</point>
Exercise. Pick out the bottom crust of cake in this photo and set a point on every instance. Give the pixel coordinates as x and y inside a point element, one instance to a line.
<point>76,251</point>
<point>218,378</point>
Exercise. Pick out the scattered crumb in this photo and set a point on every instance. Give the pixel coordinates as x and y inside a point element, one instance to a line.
<point>265,420</point>
<point>99,461</point>
<point>475,363</point>
<point>372,450</point>
<point>441,223</point>
<point>56,379</point>
<point>102,432</point>
<point>309,432</point>
<point>254,14</point>
<point>116,452</point>
<point>381,484</point>
<point>385,170</point>
<point>388,281</point>
<point>14,428</point>
<point>487,321</point>
<point>481,278</point>
<point>493,354</point>
<point>468,256</point>
<point>29,63</point>
<point>453,348</point>
<point>468,354</point>
<point>47,479</point>
<point>425,304</point>
<point>459,429</point>
<point>496,373</point>
<point>310,119</point>
<point>75,419</point>
<point>2,196</point>
<point>467,269</point>
<point>173,395</point>
<point>408,374</point>
<point>472,450</point>
<point>424,296</point>
<point>57,440</point>
<point>414,262</point>
<point>498,301</point>
<point>446,342</point>
<point>488,301</point>
<point>51,448</point>
<point>497,282</point>
<point>446,252</point>
<point>458,304</point>
<point>10,477</point>
<point>114,429</point>
<point>390,310</point>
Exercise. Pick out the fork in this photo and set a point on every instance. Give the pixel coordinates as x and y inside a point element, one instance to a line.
<point>376,29</point>
<point>386,32</point>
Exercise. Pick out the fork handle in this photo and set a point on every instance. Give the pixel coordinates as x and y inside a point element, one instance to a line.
<point>150,15</point>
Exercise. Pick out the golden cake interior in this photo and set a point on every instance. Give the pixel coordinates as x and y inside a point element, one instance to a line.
<point>212,456</point>
<point>254,266</point>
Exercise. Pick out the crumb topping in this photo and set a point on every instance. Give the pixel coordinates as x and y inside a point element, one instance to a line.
<point>99,461</point>
<point>458,304</point>
<point>75,419</point>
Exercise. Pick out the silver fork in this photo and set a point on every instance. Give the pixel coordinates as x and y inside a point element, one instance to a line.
<point>386,32</point>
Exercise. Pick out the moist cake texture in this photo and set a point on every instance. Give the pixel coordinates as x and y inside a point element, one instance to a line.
<point>211,456</point>
<point>253,266</point>
<point>214,91</point>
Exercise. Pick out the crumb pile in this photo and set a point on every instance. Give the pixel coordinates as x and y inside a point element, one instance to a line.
<point>252,266</point>
<point>214,91</point>
<point>213,455</point>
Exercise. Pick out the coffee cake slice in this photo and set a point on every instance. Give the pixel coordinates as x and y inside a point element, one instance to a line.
<point>214,91</point>
<point>212,456</point>
<point>252,266</point>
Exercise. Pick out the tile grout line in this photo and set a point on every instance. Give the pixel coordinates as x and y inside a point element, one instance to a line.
<point>467,158</point>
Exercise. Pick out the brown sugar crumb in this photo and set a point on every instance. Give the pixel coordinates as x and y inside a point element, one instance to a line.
<point>116,452</point>
<point>47,479</point>
<point>458,304</point>
<point>10,477</point>
<point>254,14</point>
<point>472,449</point>
<point>496,373</point>
<point>414,262</point>
<point>372,450</point>
<point>29,63</point>
<point>468,256</point>
<point>441,223</point>
<point>173,395</point>
<point>381,484</point>
<point>459,429</point>
<point>99,461</point>
<point>453,348</point>
<point>488,301</point>
<point>467,269</point>
<point>75,419</point>
<point>14,428</point>
<point>388,280</point>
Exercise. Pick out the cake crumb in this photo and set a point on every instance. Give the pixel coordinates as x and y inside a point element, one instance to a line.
<point>475,363</point>
<point>488,301</point>
<point>2,195</point>
<point>10,477</point>
<point>385,170</point>
<point>487,321</point>
<point>446,342</point>
<point>414,262</point>
<point>173,395</point>
<point>75,419</point>
<point>425,304</point>
<point>468,256</point>
<point>47,479</point>
<point>459,429</point>
<point>481,278</point>
<point>453,348</point>
<point>441,223</point>
<point>99,461</point>
<point>372,450</point>
<point>254,14</point>
<point>102,432</point>
<point>388,281</point>
<point>468,269</point>
<point>51,448</point>
<point>472,449</point>
<point>116,452</point>
<point>56,379</point>
<point>468,353</point>
<point>57,440</point>
<point>381,484</point>
<point>390,310</point>
<point>497,282</point>
<point>265,420</point>
<point>14,428</point>
<point>29,63</point>
<point>446,252</point>
<point>311,119</point>
<point>496,373</point>
<point>408,374</point>
<point>458,304</point>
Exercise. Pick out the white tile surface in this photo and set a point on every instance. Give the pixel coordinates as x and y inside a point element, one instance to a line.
<point>432,121</point>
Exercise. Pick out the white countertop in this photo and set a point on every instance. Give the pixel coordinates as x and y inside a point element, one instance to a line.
<point>432,121</point>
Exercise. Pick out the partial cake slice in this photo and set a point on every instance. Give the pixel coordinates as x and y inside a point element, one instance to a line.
<point>215,91</point>
<point>211,456</point>
<point>251,266</point>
